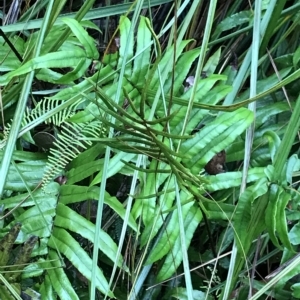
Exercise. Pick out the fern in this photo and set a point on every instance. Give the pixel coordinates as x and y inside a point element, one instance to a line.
<point>72,140</point>
<point>48,105</point>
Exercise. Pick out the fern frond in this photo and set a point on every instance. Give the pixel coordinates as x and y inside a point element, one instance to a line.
<point>72,140</point>
<point>5,136</point>
<point>43,107</point>
<point>47,105</point>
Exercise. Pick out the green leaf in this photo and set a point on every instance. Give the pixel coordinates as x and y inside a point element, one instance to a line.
<point>265,112</point>
<point>164,64</point>
<point>38,219</point>
<point>208,91</point>
<point>86,41</point>
<point>293,165</point>
<point>181,294</point>
<point>143,49</point>
<point>232,22</point>
<point>87,156</point>
<point>219,211</point>
<point>46,289</point>
<point>76,73</point>
<point>151,185</point>
<point>268,83</point>
<point>69,219</point>
<point>211,64</point>
<point>271,212</point>
<point>115,165</point>
<point>126,44</point>
<point>62,59</point>
<point>281,224</point>
<point>296,290</point>
<point>294,234</point>
<point>74,193</point>
<point>84,170</point>
<point>213,138</point>
<point>296,57</point>
<point>288,259</point>
<point>182,68</point>
<point>59,279</point>
<point>170,234</point>
<point>38,197</point>
<point>232,179</point>
<point>165,200</point>
<point>274,142</point>
<point>245,212</point>
<point>66,244</point>
<point>32,173</point>
<point>174,257</point>
<point>34,269</point>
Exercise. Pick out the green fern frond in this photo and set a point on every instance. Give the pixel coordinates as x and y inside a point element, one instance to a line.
<point>72,140</point>
<point>43,107</point>
<point>49,104</point>
<point>5,136</point>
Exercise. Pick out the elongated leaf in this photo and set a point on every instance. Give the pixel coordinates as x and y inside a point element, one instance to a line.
<point>293,165</point>
<point>207,91</point>
<point>232,179</point>
<point>264,113</point>
<point>245,212</point>
<point>214,137</point>
<point>115,165</point>
<point>271,213</point>
<point>174,257</point>
<point>165,65</point>
<point>46,289</point>
<point>296,290</point>
<point>141,61</point>
<point>126,44</point>
<point>78,72</point>
<point>87,156</point>
<point>152,183</point>
<point>74,193</point>
<point>66,244</point>
<point>38,198</point>
<point>38,220</point>
<point>219,211</point>
<point>274,142</point>
<point>294,234</point>
<point>211,64</point>
<point>59,279</point>
<point>85,86</point>
<point>170,235</point>
<point>69,219</point>
<point>161,212</point>
<point>86,41</point>
<point>31,174</point>
<point>182,67</point>
<point>233,21</point>
<point>61,59</point>
<point>281,224</point>
<point>84,170</point>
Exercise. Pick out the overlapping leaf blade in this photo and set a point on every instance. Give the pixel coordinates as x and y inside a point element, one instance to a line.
<point>69,219</point>
<point>78,257</point>
<point>214,137</point>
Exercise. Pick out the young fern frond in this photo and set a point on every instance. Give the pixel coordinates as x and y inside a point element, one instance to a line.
<point>5,136</point>
<point>43,107</point>
<point>49,104</point>
<point>72,140</point>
